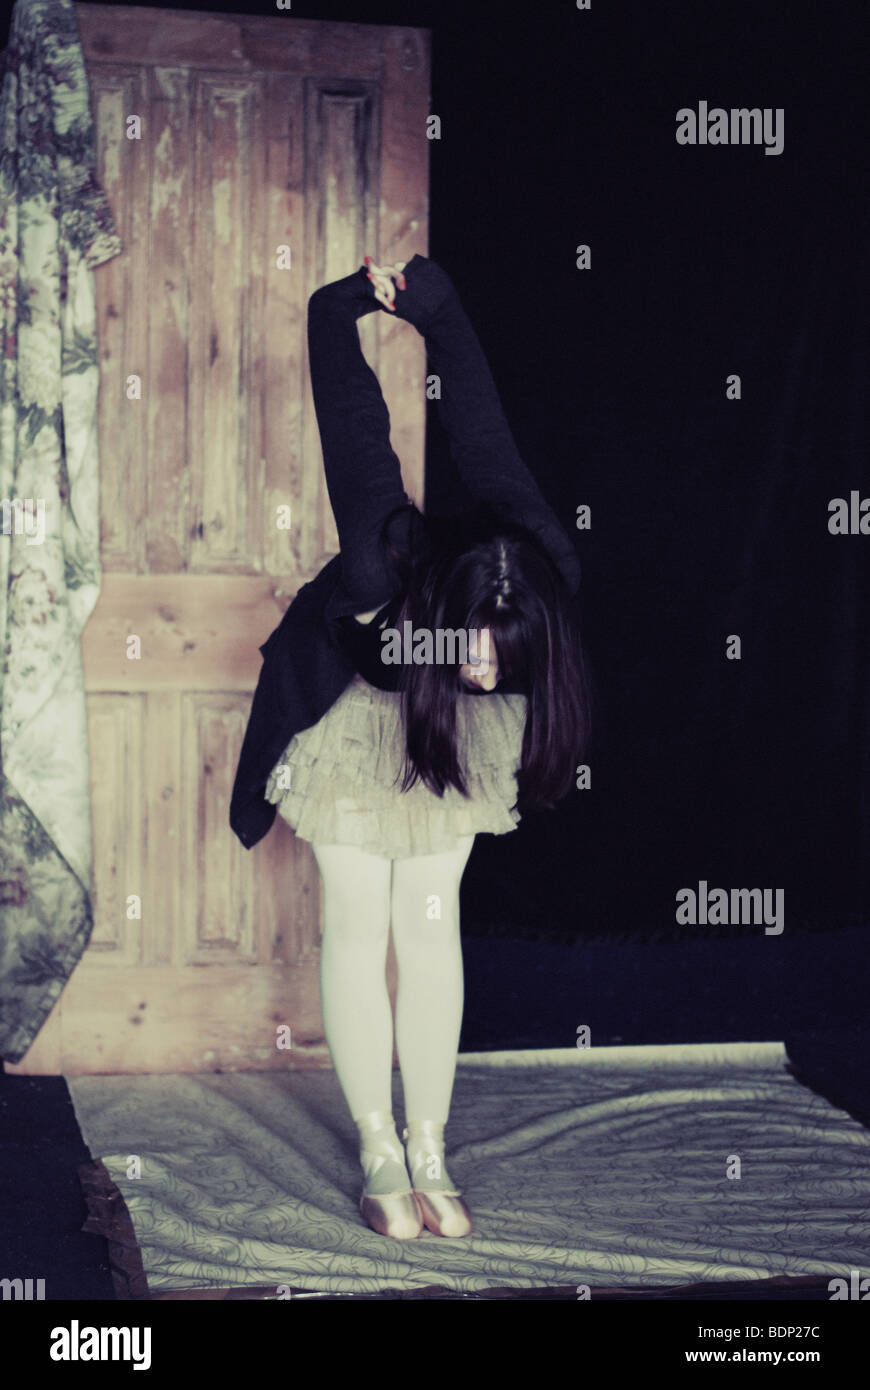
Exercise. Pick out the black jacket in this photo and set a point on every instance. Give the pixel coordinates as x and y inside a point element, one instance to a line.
<point>310,657</point>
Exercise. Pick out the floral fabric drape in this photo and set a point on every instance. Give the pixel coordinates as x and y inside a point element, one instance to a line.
<point>55,227</point>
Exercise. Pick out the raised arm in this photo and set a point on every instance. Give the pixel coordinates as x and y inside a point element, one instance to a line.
<point>480,438</point>
<point>363,474</point>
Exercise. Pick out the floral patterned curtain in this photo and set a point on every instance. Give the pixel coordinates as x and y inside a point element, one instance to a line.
<point>55,227</point>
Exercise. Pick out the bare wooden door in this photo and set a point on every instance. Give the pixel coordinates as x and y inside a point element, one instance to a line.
<point>248,160</point>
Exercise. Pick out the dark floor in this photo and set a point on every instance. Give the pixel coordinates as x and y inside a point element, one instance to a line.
<point>42,1208</point>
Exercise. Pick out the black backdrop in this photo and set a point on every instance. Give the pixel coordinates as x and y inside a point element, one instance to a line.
<point>709,516</point>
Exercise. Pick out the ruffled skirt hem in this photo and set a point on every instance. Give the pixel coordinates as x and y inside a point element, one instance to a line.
<point>339,781</point>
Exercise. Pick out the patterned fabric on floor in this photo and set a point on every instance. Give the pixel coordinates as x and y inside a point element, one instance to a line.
<point>606,1167</point>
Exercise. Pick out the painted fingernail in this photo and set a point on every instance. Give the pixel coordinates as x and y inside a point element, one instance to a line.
<point>368,260</point>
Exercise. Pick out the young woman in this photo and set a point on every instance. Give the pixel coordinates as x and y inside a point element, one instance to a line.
<point>429,744</point>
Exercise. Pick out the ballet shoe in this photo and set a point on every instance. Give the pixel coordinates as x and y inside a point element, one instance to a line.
<point>387,1204</point>
<point>444,1213</point>
<point>397,1215</point>
<point>441,1206</point>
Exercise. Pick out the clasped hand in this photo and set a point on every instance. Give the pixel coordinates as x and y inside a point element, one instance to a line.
<point>382,277</point>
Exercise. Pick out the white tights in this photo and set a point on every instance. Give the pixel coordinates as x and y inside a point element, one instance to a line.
<point>362,894</point>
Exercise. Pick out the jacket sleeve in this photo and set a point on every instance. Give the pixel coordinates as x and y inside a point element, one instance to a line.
<point>481,442</point>
<point>363,474</point>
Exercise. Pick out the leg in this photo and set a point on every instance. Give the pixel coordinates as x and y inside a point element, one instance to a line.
<point>359,1025</point>
<point>353,988</point>
<point>425,914</point>
<point>429,1002</point>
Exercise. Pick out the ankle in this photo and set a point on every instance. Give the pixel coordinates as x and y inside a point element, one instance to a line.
<point>381,1154</point>
<point>424,1141</point>
<point>376,1128</point>
<point>425,1132</point>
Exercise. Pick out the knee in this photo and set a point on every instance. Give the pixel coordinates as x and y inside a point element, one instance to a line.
<point>425,921</point>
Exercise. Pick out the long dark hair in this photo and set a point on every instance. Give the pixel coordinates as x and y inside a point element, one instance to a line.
<point>481,570</point>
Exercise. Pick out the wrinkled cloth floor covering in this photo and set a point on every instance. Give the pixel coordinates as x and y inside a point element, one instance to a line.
<point>605,1166</point>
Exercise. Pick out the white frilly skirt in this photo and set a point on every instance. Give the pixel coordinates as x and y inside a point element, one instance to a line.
<point>339,781</point>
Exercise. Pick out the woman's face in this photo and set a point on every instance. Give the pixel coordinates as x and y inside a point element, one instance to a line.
<point>481,671</point>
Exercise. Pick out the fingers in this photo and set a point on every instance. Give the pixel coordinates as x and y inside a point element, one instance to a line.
<point>384,291</point>
<point>384,288</point>
<point>386,270</point>
<point>382,280</point>
<point>382,294</point>
<point>382,284</point>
